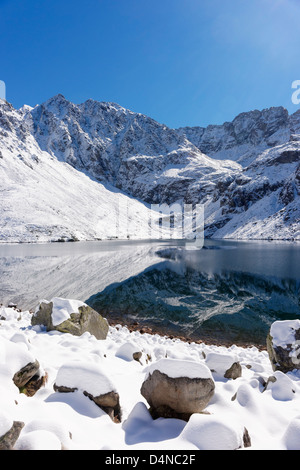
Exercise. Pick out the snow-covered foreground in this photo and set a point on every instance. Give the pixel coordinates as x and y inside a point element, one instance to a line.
<point>53,419</point>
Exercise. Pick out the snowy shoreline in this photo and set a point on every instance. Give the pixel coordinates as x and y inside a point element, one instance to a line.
<point>49,241</point>
<point>207,339</point>
<point>267,408</point>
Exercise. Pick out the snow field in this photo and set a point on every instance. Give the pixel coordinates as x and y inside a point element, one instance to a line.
<point>56,420</point>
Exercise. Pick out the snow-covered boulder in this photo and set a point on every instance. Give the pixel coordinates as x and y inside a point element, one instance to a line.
<point>20,364</point>
<point>8,313</point>
<point>56,428</point>
<point>224,365</point>
<point>291,437</point>
<point>129,352</point>
<point>38,440</point>
<point>70,316</point>
<point>215,433</point>
<point>93,382</point>
<point>281,386</point>
<point>283,345</point>
<point>177,388</point>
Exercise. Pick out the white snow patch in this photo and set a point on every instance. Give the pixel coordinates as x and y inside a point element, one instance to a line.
<point>283,332</point>
<point>85,377</point>
<point>62,309</point>
<point>5,423</point>
<point>180,368</point>
<point>72,421</point>
<point>213,433</point>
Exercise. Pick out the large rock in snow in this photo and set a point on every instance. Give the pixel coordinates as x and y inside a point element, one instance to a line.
<point>20,363</point>
<point>93,382</point>
<point>26,373</point>
<point>70,316</point>
<point>283,345</point>
<point>177,389</point>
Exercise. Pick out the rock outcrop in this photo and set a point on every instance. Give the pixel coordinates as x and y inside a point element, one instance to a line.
<point>283,345</point>
<point>80,318</point>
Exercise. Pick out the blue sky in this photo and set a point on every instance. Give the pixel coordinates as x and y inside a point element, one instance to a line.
<point>182,62</point>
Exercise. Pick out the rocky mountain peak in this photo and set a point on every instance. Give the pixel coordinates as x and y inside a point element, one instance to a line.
<point>245,172</point>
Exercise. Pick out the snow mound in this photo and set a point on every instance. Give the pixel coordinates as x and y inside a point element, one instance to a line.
<point>126,351</point>
<point>220,363</point>
<point>282,388</point>
<point>84,376</point>
<point>14,356</point>
<point>8,313</point>
<point>291,437</point>
<point>52,426</point>
<point>38,440</point>
<point>72,421</point>
<point>213,433</point>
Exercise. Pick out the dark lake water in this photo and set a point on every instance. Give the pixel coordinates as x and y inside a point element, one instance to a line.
<point>227,291</point>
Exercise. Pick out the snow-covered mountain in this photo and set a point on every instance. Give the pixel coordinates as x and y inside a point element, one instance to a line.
<point>46,199</point>
<point>64,166</point>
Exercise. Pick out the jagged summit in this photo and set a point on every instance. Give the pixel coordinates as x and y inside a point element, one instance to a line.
<point>246,172</point>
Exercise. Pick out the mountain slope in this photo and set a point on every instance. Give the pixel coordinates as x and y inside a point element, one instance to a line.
<point>131,151</point>
<point>64,166</point>
<point>44,199</point>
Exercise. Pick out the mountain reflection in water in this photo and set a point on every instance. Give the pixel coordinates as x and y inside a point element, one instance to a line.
<point>228,291</point>
<point>193,294</point>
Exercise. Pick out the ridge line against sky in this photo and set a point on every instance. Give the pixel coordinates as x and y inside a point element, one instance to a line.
<point>181,62</point>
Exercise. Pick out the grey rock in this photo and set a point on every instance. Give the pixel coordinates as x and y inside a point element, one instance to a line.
<point>246,438</point>
<point>87,320</point>
<point>137,356</point>
<point>234,371</point>
<point>23,376</point>
<point>176,397</point>
<point>108,402</point>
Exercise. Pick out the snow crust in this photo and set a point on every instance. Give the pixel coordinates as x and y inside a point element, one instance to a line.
<point>174,368</point>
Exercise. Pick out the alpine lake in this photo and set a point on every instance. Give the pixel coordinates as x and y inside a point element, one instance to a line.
<point>227,292</point>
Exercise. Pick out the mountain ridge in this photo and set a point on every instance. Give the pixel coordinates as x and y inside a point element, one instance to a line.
<point>252,194</point>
